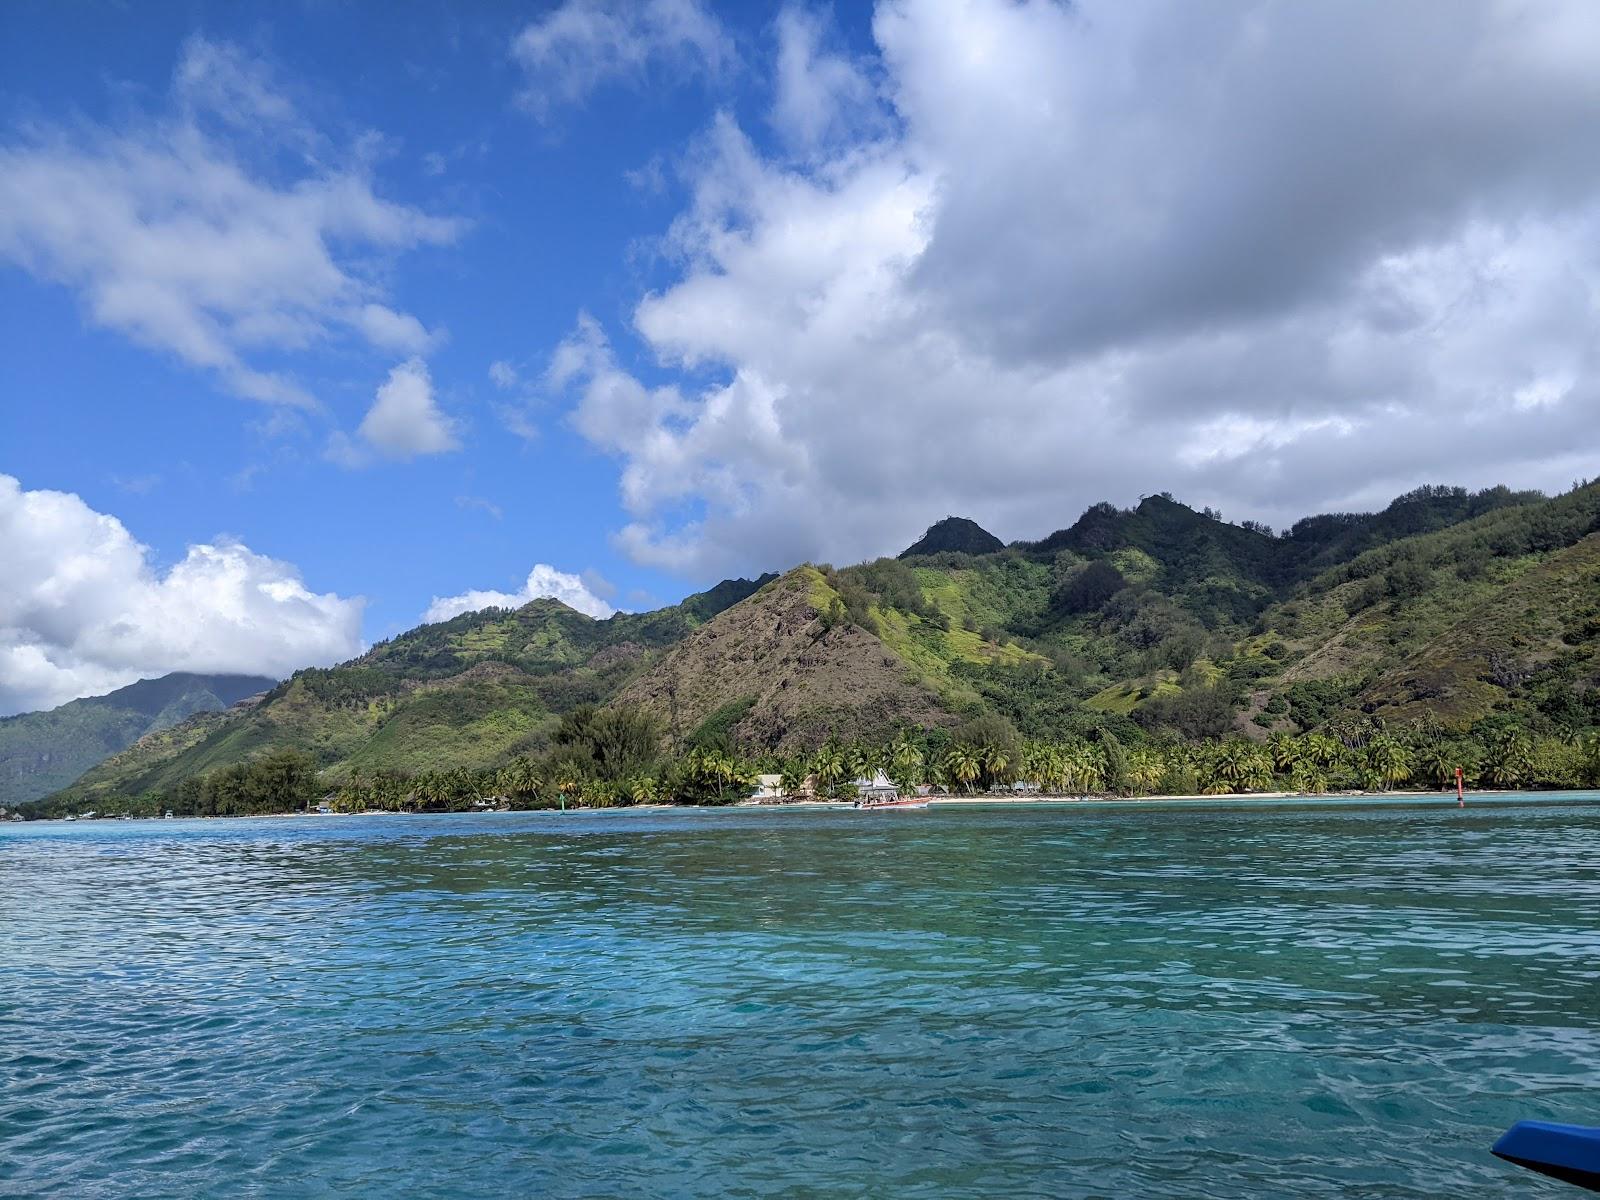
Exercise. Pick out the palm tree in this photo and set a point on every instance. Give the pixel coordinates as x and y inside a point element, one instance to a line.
<point>1389,761</point>
<point>1322,750</point>
<point>905,763</point>
<point>529,783</point>
<point>1510,761</point>
<point>1144,771</point>
<point>1240,766</point>
<point>793,776</point>
<point>431,789</point>
<point>995,760</point>
<point>858,761</point>
<point>1036,765</point>
<point>1222,767</point>
<point>386,793</point>
<point>829,766</point>
<point>1080,768</point>
<point>643,789</point>
<point>722,770</point>
<point>963,765</point>
<point>566,781</point>
<point>348,798</point>
<point>1286,752</point>
<point>1436,762</point>
<point>1211,769</point>
<point>1309,778</point>
<point>460,787</point>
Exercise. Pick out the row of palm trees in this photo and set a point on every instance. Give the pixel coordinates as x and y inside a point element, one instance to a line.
<point>702,776</point>
<point>1308,763</point>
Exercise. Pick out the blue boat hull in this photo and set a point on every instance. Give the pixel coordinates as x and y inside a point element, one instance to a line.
<point>1566,1152</point>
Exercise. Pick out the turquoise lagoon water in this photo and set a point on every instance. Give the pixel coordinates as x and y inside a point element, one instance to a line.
<point>1162,1000</point>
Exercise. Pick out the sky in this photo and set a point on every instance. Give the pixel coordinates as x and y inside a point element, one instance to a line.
<point>322,320</point>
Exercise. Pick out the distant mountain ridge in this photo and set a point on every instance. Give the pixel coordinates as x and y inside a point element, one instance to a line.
<point>1157,621</point>
<point>41,752</point>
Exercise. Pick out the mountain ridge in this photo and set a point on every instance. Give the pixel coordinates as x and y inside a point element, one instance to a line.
<point>1156,622</point>
<point>41,752</point>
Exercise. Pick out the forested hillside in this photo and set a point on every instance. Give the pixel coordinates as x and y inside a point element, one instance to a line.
<point>468,692</point>
<point>43,751</point>
<point>1446,624</point>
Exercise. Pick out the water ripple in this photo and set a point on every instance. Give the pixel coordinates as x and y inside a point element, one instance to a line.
<point>1284,1001</point>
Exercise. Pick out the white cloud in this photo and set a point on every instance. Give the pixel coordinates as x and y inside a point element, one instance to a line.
<point>390,330</point>
<point>543,580</point>
<point>649,178</point>
<point>1273,258</point>
<point>577,47</point>
<point>481,504</point>
<point>404,421</point>
<point>217,232</point>
<point>818,93</point>
<point>517,413</point>
<point>84,609</point>
<point>517,421</point>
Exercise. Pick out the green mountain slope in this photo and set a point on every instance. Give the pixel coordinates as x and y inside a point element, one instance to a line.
<point>468,692</point>
<point>775,670</point>
<point>1519,642</point>
<point>43,751</point>
<point>1151,623</point>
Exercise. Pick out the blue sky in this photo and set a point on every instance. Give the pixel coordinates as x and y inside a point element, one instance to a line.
<point>551,227</point>
<point>323,317</point>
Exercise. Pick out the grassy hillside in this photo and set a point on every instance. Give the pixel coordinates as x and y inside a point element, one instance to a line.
<point>1537,630</point>
<point>44,751</point>
<point>779,670</point>
<point>1158,624</point>
<point>463,693</point>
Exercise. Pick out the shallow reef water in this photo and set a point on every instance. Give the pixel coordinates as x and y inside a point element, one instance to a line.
<point>1117,1000</point>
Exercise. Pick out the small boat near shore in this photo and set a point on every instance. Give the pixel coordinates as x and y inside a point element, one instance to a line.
<point>899,802</point>
<point>879,791</point>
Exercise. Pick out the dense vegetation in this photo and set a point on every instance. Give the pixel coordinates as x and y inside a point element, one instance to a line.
<point>954,535</point>
<point>617,757</point>
<point>1147,649</point>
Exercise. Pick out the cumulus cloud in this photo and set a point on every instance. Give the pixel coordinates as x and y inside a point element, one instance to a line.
<point>575,48</point>
<point>404,421</point>
<point>543,581</point>
<point>217,231</point>
<point>1275,258</point>
<point>84,609</point>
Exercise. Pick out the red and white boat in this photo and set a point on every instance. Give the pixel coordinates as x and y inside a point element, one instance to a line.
<point>898,802</point>
<point>880,792</point>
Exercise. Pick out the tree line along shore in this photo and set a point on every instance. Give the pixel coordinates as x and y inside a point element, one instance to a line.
<point>618,757</point>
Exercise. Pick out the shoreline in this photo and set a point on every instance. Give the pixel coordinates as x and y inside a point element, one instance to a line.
<point>952,801</point>
<point>1050,801</point>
